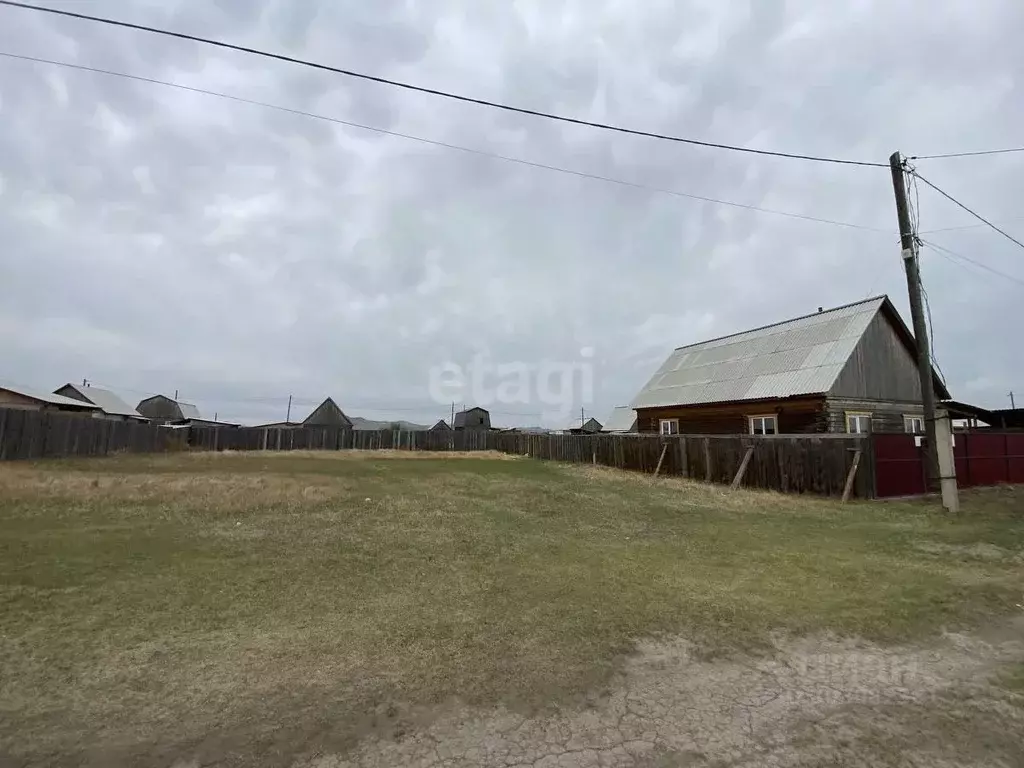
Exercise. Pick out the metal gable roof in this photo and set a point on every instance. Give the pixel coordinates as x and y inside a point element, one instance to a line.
<point>107,401</point>
<point>52,399</point>
<point>622,419</point>
<point>796,357</point>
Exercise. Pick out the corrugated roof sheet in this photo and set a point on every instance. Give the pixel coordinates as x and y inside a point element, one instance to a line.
<point>48,397</point>
<point>188,411</point>
<point>621,420</point>
<point>108,402</point>
<point>797,357</point>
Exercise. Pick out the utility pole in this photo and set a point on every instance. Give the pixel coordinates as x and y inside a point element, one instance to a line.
<point>924,362</point>
<point>452,422</point>
<point>175,395</point>
<point>85,383</point>
<point>1013,405</point>
<point>288,418</point>
<point>582,422</point>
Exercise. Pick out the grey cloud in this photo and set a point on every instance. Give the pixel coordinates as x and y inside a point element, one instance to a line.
<point>241,254</point>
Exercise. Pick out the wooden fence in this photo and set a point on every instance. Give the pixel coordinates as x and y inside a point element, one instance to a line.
<point>799,463</point>
<point>43,434</point>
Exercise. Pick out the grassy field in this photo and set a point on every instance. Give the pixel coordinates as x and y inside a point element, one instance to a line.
<point>258,604</point>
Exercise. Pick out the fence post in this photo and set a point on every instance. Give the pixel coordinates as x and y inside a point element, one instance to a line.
<point>743,468</point>
<point>851,475</point>
<point>707,459</point>
<point>664,450</point>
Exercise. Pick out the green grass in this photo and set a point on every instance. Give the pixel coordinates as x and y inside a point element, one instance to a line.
<point>147,600</point>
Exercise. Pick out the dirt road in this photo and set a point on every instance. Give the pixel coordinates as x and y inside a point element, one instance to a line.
<point>814,701</point>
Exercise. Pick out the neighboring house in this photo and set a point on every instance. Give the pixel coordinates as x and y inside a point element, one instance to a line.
<point>29,400</point>
<point>623,419</point>
<point>111,406</point>
<point>441,426</point>
<point>163,409</point>
<point>590,427</point>
<point>327,414</point>
<point>848,369</point>
<point>474,418</point>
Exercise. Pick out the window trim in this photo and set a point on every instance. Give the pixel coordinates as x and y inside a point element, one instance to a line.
<point>911,417</point>
<point>858,415</point>
<point>661,427</point>
<point>764,417</point>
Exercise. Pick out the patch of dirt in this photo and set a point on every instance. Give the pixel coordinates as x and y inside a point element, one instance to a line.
<point>812,702</point>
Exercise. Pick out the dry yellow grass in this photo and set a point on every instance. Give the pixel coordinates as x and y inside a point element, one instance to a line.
<point>287,599</point>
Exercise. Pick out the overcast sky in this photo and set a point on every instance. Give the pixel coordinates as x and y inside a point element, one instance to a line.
<point>154,240</point>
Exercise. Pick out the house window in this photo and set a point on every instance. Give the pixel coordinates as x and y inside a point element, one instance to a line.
<point>858,423</point>
<point>670,426</point>
<point>763,425</point>
<point>913,424</point>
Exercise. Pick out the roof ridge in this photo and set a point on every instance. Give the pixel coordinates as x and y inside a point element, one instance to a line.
<point>883,296</point>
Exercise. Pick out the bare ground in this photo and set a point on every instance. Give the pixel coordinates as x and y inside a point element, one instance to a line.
<point>815,701</point>
<point>319,610</point>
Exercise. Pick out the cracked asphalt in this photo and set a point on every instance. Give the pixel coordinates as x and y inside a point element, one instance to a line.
<point>813,701</point>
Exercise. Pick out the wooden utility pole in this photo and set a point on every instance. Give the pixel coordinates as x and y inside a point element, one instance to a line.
<point>924,362</point>
<point>1013,405</point>
<point>582,422</point>
<point>288,418</point>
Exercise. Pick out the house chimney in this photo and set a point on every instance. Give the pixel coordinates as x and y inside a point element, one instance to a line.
<point>820,309</point>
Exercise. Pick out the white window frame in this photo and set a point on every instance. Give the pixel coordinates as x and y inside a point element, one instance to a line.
<point>858,415</point>
<point>764,418</point>
<point>909,419</point>
<point>668,427</point>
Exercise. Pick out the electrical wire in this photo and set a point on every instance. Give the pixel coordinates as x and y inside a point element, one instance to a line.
<point>942,250</point>
<point>446,145</point>
<point>952,199</point>
<point>966,226</point>
<point>438,92</point>
<point>931,335</point>
<point>968,154</point>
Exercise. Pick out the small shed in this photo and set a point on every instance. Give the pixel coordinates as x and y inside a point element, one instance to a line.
<point>473,418</point>
<point>441,426</point>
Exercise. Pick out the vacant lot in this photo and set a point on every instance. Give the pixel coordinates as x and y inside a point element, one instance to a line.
<point>280,609</point>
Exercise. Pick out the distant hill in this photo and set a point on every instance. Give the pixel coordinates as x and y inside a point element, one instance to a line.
<point>369,425</point>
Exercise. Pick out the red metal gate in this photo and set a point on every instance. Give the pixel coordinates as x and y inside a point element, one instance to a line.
<point>982,458</point>
<point>899,466</point>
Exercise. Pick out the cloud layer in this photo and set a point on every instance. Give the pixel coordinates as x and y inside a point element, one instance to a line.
<point>158,240</point>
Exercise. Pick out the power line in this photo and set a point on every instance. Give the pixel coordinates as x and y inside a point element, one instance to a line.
<point>965,226</point>
<point>952,199</point>
<point>446,145</point>
<point>967,154</point>
<point>438,92</point>
<point>942,250</point>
